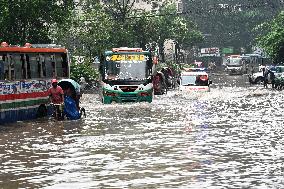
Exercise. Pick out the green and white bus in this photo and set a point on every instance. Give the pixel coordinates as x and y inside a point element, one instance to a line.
<point>126,75</point>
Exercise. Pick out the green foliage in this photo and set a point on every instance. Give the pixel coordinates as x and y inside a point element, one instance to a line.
<point>85,34</point>
<point>31,20</point>
<point>171,26</point>
<point>273,40</point>
<point>164,25</point>
<point>230,23</point>
<point>99,28</point>
<point>83,70</point>
<point>175,67</point>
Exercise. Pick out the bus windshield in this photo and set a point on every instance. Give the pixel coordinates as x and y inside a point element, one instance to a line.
<point>126,69</point>
<point>235,61</point>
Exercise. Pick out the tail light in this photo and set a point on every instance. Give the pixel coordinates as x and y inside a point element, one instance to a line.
<point>203,77</point>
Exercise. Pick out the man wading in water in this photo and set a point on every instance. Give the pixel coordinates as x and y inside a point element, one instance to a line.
<point>56,97</point>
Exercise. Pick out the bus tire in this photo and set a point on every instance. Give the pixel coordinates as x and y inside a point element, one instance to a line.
<point>41,111</point>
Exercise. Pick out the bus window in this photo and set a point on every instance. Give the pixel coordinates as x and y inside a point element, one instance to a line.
<point>34,69</point>
<point>2,71</point>
<point>39,67</point>
<point>65,65</point>
<point>24,66</point>
<point>12,67</point>
<point>28,67</point>
<point>59,62</point>
<point>18,66</point>
<point>53,69</point>
<point>49,66</point>
<point>8,68</point>
<point>43,66</point>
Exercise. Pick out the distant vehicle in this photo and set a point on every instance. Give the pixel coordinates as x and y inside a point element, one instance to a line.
<point>194,79</point>
<point>254,62</point>
<point>258,77</point>
<point>235,65</point>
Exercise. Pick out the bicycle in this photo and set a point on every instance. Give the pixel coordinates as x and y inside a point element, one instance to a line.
<point>58,111</point>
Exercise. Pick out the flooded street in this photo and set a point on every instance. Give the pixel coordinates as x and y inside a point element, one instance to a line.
<point>231,137</point>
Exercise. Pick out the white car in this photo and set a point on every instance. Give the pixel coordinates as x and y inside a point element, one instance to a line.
<point>258,77</point>
<point>192,80</point>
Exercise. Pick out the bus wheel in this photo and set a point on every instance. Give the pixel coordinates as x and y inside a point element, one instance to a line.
<point>41,111</point>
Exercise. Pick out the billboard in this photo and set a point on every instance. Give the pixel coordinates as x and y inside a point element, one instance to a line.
<point>213,51</point>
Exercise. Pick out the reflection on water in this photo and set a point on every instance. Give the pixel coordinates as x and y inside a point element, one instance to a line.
<point>230,137</point>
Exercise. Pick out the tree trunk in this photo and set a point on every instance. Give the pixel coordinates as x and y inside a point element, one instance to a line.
<point>162,51</point>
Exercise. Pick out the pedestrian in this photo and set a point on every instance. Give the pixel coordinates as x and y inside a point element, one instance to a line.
<point>272,77</point>
<point>83,83</point>
<point>265,80</point>
<point>56,97</point>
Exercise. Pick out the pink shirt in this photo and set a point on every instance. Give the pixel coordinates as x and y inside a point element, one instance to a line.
<point>56,94</point>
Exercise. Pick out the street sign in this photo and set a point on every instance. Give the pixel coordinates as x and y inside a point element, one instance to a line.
<point>213,51</point>
<point>227,51</point>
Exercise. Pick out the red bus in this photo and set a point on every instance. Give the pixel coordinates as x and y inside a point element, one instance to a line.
<point>25,77</point>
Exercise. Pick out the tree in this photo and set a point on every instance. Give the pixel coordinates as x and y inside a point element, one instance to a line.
<point>118,9</point>
<point>83,70</point>
<point>273,39</point>
<point>169,25</point>
<point>86,33</point>
<point>98,28</point>
<point>230,23</point>
<point>31,20</point>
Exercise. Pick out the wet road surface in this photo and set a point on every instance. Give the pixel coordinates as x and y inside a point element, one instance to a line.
<point>231,137</point>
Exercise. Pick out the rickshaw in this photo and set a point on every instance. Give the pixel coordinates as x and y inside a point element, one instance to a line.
<point>72,94</point>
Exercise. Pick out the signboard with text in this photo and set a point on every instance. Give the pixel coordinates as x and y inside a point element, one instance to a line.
<point>214,51</point>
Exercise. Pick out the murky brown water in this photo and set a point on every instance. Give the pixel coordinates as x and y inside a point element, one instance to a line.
<point>231,137</point>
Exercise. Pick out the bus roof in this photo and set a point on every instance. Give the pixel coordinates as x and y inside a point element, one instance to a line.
<point>193,73</point>
<point>258,55</point>
<point>37,48</point>
<point>126,52</point>
<point>235,56</point>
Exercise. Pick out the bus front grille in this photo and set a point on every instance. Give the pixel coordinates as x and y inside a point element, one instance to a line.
<point>128,97</point>
<point>128,88</point>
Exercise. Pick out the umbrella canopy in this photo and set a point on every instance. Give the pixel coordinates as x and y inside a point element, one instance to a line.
<point>69,83</point>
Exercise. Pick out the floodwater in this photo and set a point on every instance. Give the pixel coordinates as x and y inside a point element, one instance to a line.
<point>231,137</point>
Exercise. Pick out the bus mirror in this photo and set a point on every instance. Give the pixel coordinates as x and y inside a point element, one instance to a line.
<point>210,82</point>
